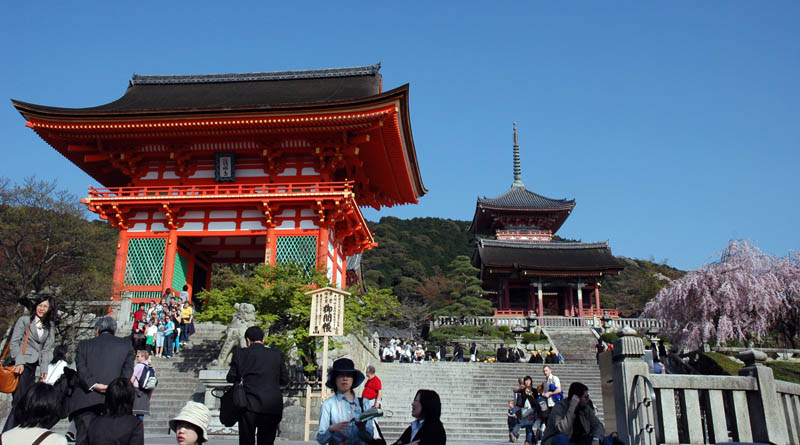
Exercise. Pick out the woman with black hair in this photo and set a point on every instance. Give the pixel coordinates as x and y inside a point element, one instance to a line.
<point>528,409</point>
<point>62,378</point>
<point>118,426</point>
<point>36,412</point>
<point>428,428</point>
<point>31,346</point>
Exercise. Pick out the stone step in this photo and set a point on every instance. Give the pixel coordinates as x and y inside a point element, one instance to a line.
<point>474,395</point>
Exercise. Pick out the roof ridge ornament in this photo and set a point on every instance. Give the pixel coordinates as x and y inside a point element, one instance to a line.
<point>517,168</point>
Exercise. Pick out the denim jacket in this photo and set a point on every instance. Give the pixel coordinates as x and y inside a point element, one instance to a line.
<point>338,409</point>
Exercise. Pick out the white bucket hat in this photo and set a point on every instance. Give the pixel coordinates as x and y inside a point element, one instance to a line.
<point>196,414</point>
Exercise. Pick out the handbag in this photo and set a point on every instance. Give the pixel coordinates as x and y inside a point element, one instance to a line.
<point>228,414</point>
<point>238,395</point>
<point>8,379</point>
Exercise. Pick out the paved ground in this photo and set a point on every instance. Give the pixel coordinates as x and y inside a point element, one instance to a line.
<point>164,440</point>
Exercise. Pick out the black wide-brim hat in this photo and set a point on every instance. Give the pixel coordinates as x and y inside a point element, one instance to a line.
<point>341,366</point>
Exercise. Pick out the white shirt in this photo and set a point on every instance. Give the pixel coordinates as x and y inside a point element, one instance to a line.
<point>21,435</point>
<point>54,371</point>
<point>151,331</point>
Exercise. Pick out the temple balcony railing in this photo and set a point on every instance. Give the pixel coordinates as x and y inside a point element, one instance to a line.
<point>219,191</point>
<point>530,320</point>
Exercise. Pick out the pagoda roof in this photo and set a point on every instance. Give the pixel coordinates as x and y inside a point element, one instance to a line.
<point>519,197</point>
<point>543,258</point>
<point>159,112</point>
<point>519,202</point>
<point>237,91</point>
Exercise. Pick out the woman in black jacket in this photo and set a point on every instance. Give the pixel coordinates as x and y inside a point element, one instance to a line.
<point>428,428</point>
<point>528,409</point>
<point>118,426</point>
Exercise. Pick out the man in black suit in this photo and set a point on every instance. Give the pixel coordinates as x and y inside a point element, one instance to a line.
<point>263,372</point>
<point>99,360</point>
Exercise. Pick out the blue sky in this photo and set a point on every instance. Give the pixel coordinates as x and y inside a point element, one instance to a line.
<point>675,125</point>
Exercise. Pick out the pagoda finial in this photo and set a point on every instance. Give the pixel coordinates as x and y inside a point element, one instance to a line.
<point>517,169</point>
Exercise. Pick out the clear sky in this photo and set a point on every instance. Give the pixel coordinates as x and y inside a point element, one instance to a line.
<point>675,125</point>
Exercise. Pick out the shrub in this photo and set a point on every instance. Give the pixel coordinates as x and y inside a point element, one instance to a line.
<point>714,363</point>
<point>787,371</point>
<point>530,337</point>
<point>609,337</point>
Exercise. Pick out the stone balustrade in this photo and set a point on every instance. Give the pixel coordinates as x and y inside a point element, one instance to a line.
<point>658,409</point>
<point>532,321</point>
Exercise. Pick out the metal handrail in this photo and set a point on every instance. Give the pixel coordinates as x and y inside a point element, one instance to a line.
<point>643,420</point>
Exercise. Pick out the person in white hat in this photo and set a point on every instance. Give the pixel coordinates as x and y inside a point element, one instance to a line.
<point>191,424</point>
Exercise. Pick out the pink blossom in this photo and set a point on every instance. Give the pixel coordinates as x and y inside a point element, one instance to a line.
<point>740,296</point>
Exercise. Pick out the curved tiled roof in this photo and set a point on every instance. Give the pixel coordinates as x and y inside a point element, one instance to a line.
<point>522,198</point>
<point>233,91</point>
<point>546,256</point>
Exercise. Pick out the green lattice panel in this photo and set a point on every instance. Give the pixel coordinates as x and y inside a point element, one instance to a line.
<point>179,272</point>
<point>301,250</point>
<point>145,261</point>
<point>150,296</point>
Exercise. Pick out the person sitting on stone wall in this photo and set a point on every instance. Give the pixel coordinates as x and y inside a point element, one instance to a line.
<point>573,421</point>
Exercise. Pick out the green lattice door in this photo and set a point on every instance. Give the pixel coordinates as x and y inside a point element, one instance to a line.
<point>179,272</point>
<point>301,250</point>
<point>145,263</point>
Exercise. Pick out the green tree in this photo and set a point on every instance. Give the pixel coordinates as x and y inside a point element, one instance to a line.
<point>48,246</point>
<point>283,308</point>
<point>459,293</point>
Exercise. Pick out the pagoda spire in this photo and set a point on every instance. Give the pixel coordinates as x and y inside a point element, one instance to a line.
<point>517,169</point>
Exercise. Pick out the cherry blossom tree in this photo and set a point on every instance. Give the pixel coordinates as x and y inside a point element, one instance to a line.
<point>740,296</point>
<point>788,321</point>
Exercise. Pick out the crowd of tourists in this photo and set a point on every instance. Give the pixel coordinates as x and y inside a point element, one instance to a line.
<point>411,351</point>
<point>550,418</point>
<point>105,396</point>
<point>163,326</point>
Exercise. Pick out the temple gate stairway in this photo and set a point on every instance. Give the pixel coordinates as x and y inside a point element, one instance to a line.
<point>474,395</point>
<point>577,345</point>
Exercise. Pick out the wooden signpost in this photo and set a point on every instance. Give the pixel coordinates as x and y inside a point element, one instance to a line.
<point>327,319</point>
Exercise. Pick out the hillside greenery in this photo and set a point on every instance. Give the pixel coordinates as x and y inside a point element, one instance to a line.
<point>421,259</point>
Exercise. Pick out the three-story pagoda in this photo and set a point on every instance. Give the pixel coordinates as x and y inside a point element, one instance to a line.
<point>523,268</point>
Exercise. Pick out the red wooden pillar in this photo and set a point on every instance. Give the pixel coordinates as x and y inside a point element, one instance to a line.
<point>322,249</point>
<point>270,245</point>
<point>597,298</point>
<point>571,302</point>
<point>169,260</point>
<point>120,261</point>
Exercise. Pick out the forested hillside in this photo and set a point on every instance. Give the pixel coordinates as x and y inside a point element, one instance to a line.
<point>416,257</point>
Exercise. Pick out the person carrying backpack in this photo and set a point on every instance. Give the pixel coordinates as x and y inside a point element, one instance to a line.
<point>143,381</point>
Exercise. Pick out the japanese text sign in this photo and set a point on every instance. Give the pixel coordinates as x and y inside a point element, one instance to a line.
<point>327,312</point>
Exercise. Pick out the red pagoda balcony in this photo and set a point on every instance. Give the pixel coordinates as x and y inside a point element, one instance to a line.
<point>219,191</point>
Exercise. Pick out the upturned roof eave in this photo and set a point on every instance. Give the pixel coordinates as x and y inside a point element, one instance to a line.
<point>30,110</point>
<point>570,205</point>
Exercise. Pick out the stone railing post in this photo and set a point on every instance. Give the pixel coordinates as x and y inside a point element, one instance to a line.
<point>124,312</point>
<point>628,363</point>
<point>769,427</point>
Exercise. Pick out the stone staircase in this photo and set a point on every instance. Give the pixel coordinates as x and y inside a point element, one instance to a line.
<point>178,376</point>
<point>474,395</point>
<point>577,345</point>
